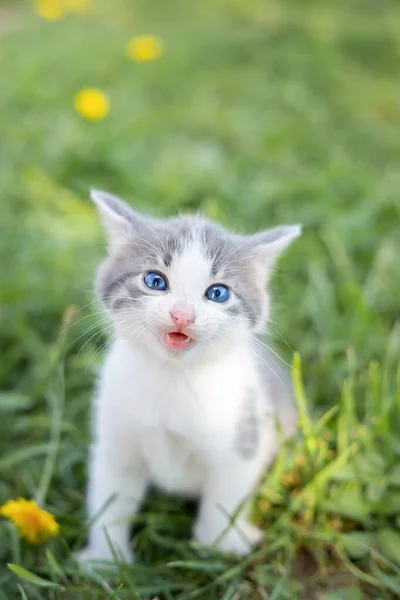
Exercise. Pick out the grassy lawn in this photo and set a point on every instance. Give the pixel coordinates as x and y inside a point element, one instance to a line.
<point>258,113</point>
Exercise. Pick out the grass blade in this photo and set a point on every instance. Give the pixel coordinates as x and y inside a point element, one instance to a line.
<point>32,578</point>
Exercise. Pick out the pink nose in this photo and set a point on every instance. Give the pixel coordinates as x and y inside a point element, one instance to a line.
<point>182,316</point>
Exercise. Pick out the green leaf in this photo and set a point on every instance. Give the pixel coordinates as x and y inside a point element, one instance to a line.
<point>22,592</point>
<point>194,565</point>
<point>231,592</point>
<point>53,564</point>
<point>348,502</point>
<point>31,577</point>
<point>343,594</point>
<point>13,402</point>
<point>376,491</point>
<point>388,542</point>
<point>114,595</point>
<point>357,543</point>
<point>369,464</point>
<point>300,397</point>
<point>25,453</point>
<point>3,596</point>
<point>396,447</point>
<point>390,504</point>
<point>393,584</point>
<point>346,420</point>
<point>394,476</point>
<point>324,475</point>
<point>346,473</point>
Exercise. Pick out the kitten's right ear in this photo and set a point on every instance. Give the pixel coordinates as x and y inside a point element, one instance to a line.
<point>119,220</point>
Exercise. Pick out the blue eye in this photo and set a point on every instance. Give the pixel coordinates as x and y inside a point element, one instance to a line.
<point>217,293</point>
<point>156,281</point>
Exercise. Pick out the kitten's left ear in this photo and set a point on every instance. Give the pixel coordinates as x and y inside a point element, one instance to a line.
<point>120,221</point>
<point>266,246</point>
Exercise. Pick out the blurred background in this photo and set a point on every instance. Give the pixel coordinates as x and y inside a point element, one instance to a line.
<point>255,112</point>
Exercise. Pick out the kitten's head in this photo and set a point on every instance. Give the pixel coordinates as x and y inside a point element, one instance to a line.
<point>183,287</point>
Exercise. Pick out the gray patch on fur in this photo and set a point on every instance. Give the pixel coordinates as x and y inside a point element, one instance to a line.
<point>248,429</point>
<point>171,245</point>
<point>132,294</point>
<point>218,247</point>
<point>121,303</point>
<point>234,310</point>
<point>135,292</point>
<point>119,281</point>
<point>250,306</point>
<point>115,273</point>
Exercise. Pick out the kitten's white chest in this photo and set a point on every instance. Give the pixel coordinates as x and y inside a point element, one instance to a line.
<point>172,461</point>
<point>197,406</point>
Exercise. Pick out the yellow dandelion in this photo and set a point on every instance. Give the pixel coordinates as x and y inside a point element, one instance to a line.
<point>91,104</point>
<point>51,10</point>
<point>77,6</point>
<point>144,48</point>
<point>33,523</point>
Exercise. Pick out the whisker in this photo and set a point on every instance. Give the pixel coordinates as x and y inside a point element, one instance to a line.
<point>280,335</point>
<point>93,336</point>
<point>75,323</point>
<point>107,318</point>
<point>101,331</point>
<point>113,337</point>
<point>88,329</point>
<point>273,352</point>
<point>266,363</point>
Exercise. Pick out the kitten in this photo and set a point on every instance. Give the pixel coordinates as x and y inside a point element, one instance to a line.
<point>187,397</point>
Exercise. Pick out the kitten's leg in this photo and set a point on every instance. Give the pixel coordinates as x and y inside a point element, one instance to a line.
<point>226,486</point>
<point>117,484</point>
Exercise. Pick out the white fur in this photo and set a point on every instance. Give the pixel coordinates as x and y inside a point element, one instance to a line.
<point>170,418</point>
<point>175,427</point>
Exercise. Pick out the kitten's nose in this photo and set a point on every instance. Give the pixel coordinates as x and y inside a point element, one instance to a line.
<point>182,315</point>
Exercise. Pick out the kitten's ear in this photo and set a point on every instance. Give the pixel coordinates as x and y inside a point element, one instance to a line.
<point>119,220</point>
<point>266,246</point>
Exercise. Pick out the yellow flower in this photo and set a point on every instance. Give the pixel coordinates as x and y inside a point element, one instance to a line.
<point>33,523</point>
<point>51,10</point>
<point>144,48</point>
<point>92,104</point>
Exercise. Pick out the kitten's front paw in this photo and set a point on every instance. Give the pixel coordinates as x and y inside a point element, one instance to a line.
<point>239,539</point>
<point>103,558</point>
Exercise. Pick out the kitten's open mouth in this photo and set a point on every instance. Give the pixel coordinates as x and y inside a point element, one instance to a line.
<point>174,339</point>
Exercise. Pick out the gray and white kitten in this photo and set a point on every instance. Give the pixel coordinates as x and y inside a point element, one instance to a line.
<point>188,397</point>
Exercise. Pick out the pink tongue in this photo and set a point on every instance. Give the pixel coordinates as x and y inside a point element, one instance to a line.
<point>177,340</point>
<point>177,337</point>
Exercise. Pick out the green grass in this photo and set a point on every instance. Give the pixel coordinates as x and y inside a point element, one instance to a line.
<point>259,113</point>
